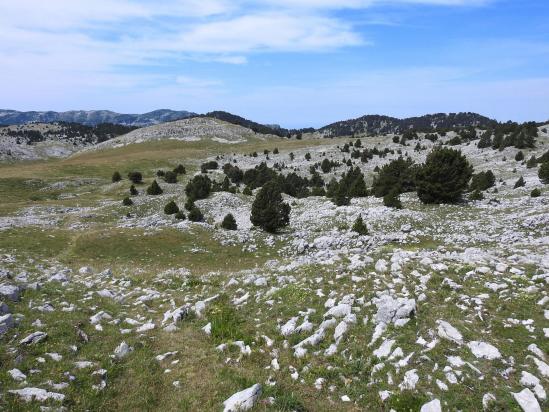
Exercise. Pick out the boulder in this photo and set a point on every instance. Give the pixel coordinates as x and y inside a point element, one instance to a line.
<point>11,292</point>
<point>33,338</point>
<point>390,309</point>
<point>447,331</point>
<point>243,400</point>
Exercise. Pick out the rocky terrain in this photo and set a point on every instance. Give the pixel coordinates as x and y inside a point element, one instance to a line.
<point>105,306</point>
<point>35,141</point>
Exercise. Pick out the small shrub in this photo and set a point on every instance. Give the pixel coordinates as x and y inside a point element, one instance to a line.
<point>133,191</point>
<point>482,181</point>
<point>391,199</point>
<point>116,177</point>
<point>275,151</point>
<point>519,157</point>
<point>229,223</point>
<point>359,226</point>
<point>535,193</point>
<point>135,177</point>
<point>180,170</point>
<point>247,191</point>
<point>476,195</point>
<point>127,201</point>
<point>195,215</point>
<point>211,165</point>
<point>307,156</point>
<point>531,163</point>
<point>160,173</point>
<point>171,208</point>
<point>154,189</point>
<point>519,183</point>
<point>199,187</point>
<point>189,204</point>
<point>170,177</point>
<point>180,215</point>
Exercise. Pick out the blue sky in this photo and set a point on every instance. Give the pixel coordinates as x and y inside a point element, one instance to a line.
<point>296,63</point>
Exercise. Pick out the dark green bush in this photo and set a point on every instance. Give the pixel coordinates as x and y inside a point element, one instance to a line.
<point>170,177</point>
<point>180,215</point>
<point>116,177</point>
<point>476,195</point>
<point>211,165</point>
<point>195,215</point>
<point>535,193</point>
<point>127,201</point>
<point>229,222</point>
<point>135,177</point>
<point>133,191</point>
<point>482,180</point>
<point>268,210</point>
<point>519,157</point>
<point>171,208</point>
<point>391,199</point>
<point>359,226</point>
<point>180,170</point>
<point>154,189</point>
<point>443,177</point>
<point>398,174</point>
<point>519,183</point>
<point>198,188</point>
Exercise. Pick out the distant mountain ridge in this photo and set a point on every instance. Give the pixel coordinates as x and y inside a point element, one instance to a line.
<point>368,124</point>
<point>385,124</point>
<point>93,117</point>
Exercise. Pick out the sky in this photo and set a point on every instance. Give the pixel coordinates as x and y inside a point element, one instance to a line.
<point>302,63</point>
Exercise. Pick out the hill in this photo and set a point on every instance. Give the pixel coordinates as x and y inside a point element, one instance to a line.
<point>376,124</point>
<point>42,140</point>
<point>92,117</point>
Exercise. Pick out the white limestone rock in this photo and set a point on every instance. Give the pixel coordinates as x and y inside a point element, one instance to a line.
<point>243,400</point>
<point>484,350</point>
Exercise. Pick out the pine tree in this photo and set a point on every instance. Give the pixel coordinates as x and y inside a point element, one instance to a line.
<point>247,191</point>
<point>485,140</point>
<point>519,183</point>
<point>399,174</point>
<point>180,215</point>
<point>443,177</point>
<point>116,177</point>
<point>519,157</point>
<point>171,208</point>
<point>268,210</point>
<point>127,201</point>
<point>199,187</point>
<point>154,189</point>
<point>359,226</point>
<point>133,191</point>
<point>535,193</point>
<point>229,222</point>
